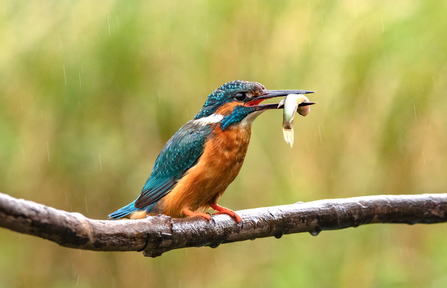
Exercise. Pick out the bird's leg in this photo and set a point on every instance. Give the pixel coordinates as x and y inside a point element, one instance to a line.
<point>190,213</point>
<point>223,210</point>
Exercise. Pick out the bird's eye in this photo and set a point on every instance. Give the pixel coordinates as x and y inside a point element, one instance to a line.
<point>240,96</point>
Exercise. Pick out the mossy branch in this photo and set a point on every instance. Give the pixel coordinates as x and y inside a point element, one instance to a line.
<point>156,235</point>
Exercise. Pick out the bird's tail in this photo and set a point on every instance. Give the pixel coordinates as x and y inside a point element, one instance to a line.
<point>126,210</point>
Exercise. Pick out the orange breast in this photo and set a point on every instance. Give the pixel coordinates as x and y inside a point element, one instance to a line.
<point>202,185</point>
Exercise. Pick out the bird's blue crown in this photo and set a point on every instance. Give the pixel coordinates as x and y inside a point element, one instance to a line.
<point>225,94</point>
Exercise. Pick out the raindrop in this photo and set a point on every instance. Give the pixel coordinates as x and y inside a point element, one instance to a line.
<point>48,152</point>
<point>214,245</point>
<point>415,117</point>
<point>278,235</point>
<point>85,200</point>
<point>319,132</point>
<point>158,96</point>
<point>315,232</point>
<point>434,84</point>
<point>108,21</point>
<point>65,75</point>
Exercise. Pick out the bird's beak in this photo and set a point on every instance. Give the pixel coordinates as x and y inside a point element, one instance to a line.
<point>278,93</point>
<point>268,94</point>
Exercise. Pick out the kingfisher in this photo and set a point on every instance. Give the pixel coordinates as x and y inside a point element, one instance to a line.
<point>205,155</point>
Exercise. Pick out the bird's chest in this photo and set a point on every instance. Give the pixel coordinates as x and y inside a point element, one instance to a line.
<point>222,159</point>
<point>227,149</point>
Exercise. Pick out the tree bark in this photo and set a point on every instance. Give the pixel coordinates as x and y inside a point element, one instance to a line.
<point>159,234</point>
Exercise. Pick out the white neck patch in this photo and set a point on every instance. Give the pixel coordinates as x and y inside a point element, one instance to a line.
<point>247,121</point>
<point>212,119</point>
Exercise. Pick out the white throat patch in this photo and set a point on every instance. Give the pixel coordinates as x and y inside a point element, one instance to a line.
<point>247,121</point>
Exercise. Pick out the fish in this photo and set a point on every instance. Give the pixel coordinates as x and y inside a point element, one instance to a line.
<point>293,103</point>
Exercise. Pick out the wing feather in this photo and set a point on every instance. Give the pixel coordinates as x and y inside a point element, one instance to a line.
<point>180,153</point>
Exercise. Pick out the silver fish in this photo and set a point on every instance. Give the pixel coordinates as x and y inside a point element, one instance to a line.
<point>291,106</point>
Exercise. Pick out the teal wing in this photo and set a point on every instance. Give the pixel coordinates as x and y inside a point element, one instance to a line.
<point>181,153</point>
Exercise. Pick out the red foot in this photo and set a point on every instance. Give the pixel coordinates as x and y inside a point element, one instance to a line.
<point>223,210</point>
<point>190,213</point>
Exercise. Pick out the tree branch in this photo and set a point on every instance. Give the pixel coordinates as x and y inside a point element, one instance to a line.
<point>159,234</point>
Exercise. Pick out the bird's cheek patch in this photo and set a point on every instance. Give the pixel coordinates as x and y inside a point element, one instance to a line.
<point>227,108</point>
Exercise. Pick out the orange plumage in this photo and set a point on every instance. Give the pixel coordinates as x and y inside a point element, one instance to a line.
<point>199,162</point>
<point>203,185</point>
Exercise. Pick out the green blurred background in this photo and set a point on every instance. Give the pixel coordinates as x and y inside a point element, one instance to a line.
<point>91,90</point>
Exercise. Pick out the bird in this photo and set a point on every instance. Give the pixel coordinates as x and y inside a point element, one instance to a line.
<point>204,156</point>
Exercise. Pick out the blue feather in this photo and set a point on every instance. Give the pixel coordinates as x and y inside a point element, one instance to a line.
<point>123,212</point>
<point>185,148</point>
<point>180,153</point>
<point>238,114</point>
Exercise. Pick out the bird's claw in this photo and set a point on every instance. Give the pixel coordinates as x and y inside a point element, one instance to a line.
<point>190,213</point>
<point>223,210</point>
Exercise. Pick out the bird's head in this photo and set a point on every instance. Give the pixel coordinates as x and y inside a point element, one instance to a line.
<point>237,101</point>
